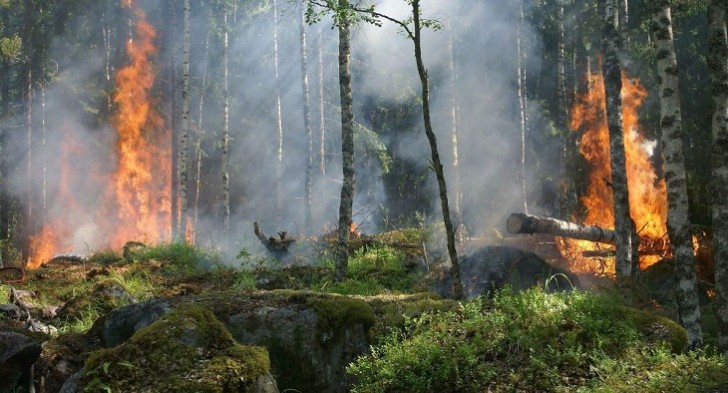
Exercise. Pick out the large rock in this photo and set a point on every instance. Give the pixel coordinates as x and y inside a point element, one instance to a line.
<point>186,350</point>
<point>121,323</point>
<point>311,337</point>
<point>18,353</point>
<point>493,267</point>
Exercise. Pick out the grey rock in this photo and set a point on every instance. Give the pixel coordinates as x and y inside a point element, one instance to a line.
<point>71,385</point>
<point>493,267</point>
<point>18,353</point>
<point>10,311</point>
<point>121,323</point>
<point>303,358</point>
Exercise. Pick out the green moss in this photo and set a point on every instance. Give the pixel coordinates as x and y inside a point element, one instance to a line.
<point>657,328</point>
<point>187,350</point>
<point>336,312</point>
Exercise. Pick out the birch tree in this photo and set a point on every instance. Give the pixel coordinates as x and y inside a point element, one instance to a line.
<point>678,221</point>
<point>279,117</point>
<point>522,104</point>
<point>611,69</point>
<point>306,123</point>
<point>182,173</point>
<point>225,125</point>
<point>718,66</point>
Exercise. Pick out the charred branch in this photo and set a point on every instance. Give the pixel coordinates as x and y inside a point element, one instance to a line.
<point>277,246</point>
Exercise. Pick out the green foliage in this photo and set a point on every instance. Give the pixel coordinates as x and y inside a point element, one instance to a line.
<point>376,269</point>
<point>658,370</point>
<point>10,47</point>
<point>368,143</point>
<point>530,341</point>
<point>180,257</point>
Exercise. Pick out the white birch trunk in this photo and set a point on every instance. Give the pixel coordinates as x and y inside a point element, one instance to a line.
<point>279,118</point>
<point>308,181</point>
<point>182,173</point>
<point>678,221</point>
<point>225,127</point>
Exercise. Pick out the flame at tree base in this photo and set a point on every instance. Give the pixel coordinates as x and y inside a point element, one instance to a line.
<point>647,192</point>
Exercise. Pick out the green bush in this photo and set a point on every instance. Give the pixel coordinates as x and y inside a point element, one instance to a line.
<point>530,341</point>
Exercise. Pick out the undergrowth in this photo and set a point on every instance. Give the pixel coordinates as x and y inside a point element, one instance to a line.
<point>374,270</point>
<point>534,341</point>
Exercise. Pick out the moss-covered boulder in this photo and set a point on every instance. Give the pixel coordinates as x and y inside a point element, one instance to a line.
<point>311,337</point>
<point>187,350</point>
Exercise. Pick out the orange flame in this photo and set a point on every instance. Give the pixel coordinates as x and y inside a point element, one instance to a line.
<point>647,192</point>
<point>136,204</point>
<point>141,184</point>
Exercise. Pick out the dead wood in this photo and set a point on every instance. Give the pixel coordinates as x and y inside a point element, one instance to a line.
<point>277,245</point>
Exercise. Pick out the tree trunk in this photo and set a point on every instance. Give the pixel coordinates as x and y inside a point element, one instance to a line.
<point>454,115</point>
<point>322,120</point>
<point>678,221</point>
<point>44,163</point>
<point>457,283</point>
<point>718,66</point>
<point>567,191</point>
<point>347,145</point>
<point>29,223</point>
<point>306,124</point>
<point>624,226</point>
<point>182,205</point>
<point>522,105</point>
<point>198,140</point>
<point>174,194</point>
<point>225,126</point>
<point>279,119</point>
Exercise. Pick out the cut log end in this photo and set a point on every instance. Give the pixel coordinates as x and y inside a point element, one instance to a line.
<point>515,223</point>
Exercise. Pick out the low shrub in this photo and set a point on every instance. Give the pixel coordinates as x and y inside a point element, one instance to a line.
<point>529,341</point>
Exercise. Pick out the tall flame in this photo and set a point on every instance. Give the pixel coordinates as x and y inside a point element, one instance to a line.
<point>136,201</point>
<point>141,185</point>
<point>647,192</point>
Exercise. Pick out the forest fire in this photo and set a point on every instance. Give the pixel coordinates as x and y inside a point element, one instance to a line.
<point>136,201</point>
<point>647,192</point>
<point>141,185</point>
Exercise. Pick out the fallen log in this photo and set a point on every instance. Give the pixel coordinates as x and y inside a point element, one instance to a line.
<point>530,224</point>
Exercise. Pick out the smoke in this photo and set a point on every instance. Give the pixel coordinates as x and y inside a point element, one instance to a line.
<point>78,129</point>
